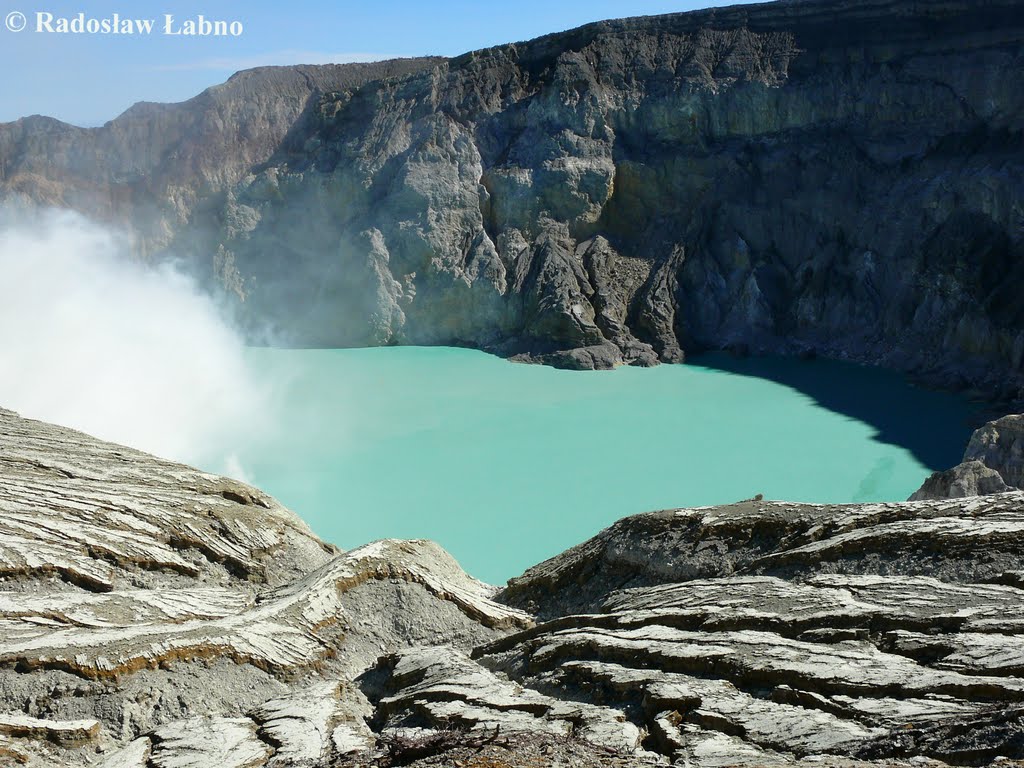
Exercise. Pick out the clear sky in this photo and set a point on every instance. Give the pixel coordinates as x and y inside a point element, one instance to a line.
<point>88,79</point>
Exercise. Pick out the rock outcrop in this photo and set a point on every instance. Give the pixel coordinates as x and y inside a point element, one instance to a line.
<point>955,540</point>
<point>993,463</point>
<point>154,616</point>
<point>969,478</point>
<point>999,445</point>
<point>761,634</point>
<point>831,177</point>
<point>190,620</point>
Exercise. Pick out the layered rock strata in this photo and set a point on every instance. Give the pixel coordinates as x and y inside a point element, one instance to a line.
<point>161,616</point>
<point>154,616</point>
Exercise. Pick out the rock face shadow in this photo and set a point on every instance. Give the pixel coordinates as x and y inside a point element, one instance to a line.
<point>934,426</point>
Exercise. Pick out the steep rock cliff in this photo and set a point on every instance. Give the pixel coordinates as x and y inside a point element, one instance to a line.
<point>823,176</point>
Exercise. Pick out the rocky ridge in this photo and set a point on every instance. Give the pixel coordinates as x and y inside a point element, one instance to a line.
<point>149,169</point>
<point>993,462</point>
<point>154,616</point>
<point>141,599</point>
<point>830,177</point>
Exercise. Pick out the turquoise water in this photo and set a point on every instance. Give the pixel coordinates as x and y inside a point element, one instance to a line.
<point>506,465</point>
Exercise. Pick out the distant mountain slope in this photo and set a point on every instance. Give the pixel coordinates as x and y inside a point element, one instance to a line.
<point>147,168</point>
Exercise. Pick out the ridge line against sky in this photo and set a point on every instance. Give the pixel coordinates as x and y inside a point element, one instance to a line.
<point>88,79</point>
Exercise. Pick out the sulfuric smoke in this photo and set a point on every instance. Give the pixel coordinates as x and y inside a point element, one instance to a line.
<point>130,353</point>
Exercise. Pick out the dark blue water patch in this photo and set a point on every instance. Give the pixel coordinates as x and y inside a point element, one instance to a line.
<point>933,425</point>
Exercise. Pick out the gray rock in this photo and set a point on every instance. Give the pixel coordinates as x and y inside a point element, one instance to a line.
<point>82,514</point>
<point>993,463</point>
<point>156,613</point>
<point>152,615</point>
<point>956,540</point>
<point>999,445</point>
<point>442,688</point>
<point>799,666</point>
<point>720,672</point>
<point>970,478</point>
<point>758,669</point>
<point>863,605</point>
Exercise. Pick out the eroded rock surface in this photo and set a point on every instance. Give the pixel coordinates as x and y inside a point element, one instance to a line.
<point>969,478</point>
<point>760,634</point>
<point>185,619</point>
<point>153,616</point>
<point>956,540</point>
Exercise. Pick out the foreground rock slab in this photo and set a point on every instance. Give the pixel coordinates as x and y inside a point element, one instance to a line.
<point>154,616</point>
<point>762,633</point>
<point>175,618</point>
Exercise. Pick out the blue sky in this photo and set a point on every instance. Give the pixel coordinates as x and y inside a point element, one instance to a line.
<point>88,79</point>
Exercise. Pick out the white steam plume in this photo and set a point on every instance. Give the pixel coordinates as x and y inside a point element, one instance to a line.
<point>133,354</point>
